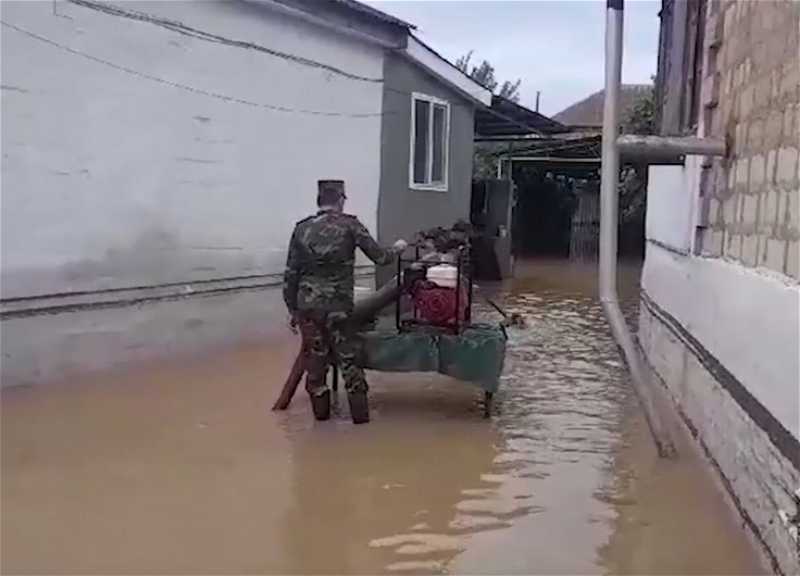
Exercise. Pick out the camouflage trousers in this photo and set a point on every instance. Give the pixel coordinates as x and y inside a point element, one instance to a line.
<point>331,339</point>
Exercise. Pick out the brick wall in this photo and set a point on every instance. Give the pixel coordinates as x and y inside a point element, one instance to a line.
<point>752,98</point>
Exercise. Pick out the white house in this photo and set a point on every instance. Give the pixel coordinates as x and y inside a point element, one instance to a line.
<point>156,156</point>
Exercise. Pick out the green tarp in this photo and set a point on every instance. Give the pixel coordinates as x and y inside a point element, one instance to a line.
<point>476,355</point>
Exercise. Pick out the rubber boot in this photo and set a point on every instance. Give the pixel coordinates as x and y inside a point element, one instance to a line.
<point>359,407</point>
<point>321,405</point>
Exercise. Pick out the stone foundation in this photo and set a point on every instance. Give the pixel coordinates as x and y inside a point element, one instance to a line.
<point>758,477</point>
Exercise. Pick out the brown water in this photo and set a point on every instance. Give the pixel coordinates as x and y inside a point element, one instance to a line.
<point>180,468</point>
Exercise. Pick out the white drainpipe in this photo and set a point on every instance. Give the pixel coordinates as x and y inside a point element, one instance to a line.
<point>609,233</point>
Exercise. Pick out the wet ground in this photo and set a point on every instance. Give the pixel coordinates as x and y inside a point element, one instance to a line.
<point>180,467</point>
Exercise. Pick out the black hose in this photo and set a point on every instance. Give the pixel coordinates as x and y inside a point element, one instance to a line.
<point>368,308</point>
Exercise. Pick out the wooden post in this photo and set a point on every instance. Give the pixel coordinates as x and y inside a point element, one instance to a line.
<point>296,376</point>
<point>293,380</point>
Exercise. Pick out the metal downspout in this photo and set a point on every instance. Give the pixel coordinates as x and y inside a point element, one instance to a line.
<point>609,179</point>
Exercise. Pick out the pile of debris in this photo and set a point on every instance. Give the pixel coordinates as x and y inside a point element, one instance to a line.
<point>447,240</point>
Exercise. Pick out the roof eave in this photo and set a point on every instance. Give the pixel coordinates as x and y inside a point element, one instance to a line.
<point>378,15</point>
<point>381,33</point>
<point>446,72</point>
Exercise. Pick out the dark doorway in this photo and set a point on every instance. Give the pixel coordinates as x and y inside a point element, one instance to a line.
<point>545,204</point>
<point>556,209</point>
<point>490,214</point>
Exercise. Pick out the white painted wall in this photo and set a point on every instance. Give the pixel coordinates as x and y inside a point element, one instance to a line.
<point>748,319</point>
<point>113,179</point>
<point>671,205</point>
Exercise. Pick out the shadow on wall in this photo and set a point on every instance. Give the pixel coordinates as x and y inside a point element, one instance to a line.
<point>158,257</point>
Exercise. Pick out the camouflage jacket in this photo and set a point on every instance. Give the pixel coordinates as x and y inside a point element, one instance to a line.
<point>320,265</point>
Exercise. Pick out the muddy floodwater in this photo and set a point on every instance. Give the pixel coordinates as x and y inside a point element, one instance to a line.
<point>180,467</point>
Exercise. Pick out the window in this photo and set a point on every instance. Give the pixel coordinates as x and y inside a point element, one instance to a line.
<point>430,142</point>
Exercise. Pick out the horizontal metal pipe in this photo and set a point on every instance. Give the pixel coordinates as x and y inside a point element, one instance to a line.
<point>666,146</point>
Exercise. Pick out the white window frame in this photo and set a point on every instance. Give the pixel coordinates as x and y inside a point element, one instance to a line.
<point>428,185</point>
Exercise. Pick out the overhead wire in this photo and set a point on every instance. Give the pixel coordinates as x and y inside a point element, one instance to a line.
<point>180,86</point>
<point>181,28</point>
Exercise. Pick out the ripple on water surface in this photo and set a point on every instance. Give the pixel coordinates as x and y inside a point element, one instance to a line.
<point>207,480</point>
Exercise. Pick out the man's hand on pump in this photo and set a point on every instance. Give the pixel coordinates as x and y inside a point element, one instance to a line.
<point>399,246</point>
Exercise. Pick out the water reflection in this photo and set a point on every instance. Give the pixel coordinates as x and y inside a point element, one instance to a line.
<point>390,497</point>
<point>180,468</point>
<point>563,396</point>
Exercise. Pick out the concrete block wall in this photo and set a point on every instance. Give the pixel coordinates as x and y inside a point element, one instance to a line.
<point>753,99</point>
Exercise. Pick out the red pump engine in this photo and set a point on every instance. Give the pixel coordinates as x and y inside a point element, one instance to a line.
<point>437,304</point>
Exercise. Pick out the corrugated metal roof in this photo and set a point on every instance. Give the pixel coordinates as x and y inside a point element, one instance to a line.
<point>505,118</point>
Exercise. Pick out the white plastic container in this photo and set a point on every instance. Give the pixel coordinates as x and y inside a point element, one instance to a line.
<point>443,275</point>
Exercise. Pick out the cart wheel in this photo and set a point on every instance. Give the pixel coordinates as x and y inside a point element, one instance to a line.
<point>487,404</point>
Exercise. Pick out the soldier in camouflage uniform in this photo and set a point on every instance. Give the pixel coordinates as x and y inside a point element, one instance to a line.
<point>318,291</point>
